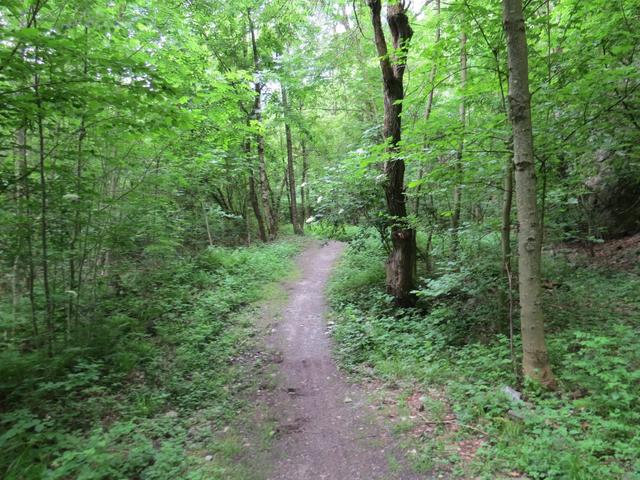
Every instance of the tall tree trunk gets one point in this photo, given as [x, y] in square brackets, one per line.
[263, 180]
[457, 192]
[506, 296]
[427, 111]
[205, 214]
[253, 195]
[73, 301]
[535, 357]
[27, 226]
[401, 265]
[304, 188]
[293, 202]
[255, 205]
[44, 234]
[18, 253]
[507, 201]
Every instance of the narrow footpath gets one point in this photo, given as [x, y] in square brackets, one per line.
[326, 428]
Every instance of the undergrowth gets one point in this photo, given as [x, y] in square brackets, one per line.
[456, 340]
[147, 390]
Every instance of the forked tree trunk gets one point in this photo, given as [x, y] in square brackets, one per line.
[535, 360]
[401, 265]
[293, 201]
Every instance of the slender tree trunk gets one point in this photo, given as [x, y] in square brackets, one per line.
[255, 205]
[434, 69]
[205, 214]
[457, 192]
[507, 201]
[253, 195]
[507, 184]
[247, 223]
[304, 188]
[265, 190]
[81, 264]
[506, 298]
[401, 265]
[18, 253]
[27, 226]
[74, 276]
[43, 220]
[535, 357]
[427, 111]
[293, 202]
[73, 299]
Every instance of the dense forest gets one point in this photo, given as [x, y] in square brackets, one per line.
[162, 164]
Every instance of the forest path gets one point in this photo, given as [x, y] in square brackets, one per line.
[326, 428]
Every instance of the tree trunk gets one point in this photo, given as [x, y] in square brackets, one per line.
[253, 195]
[263, 179]
[427, 113]
[507, 201]
[27, 226]
[304, 188]
[293, 202]
[401, 265]
[457, 193]
[535, 357]
[16, 270]
[506, 297]
[205, 214]
[255, 205]
[44, 234]
[73, 300]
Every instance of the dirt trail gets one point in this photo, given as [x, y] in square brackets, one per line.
[326, 430]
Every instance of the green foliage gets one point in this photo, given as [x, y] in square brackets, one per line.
[125, 401]
[130, 168]
[587, 430]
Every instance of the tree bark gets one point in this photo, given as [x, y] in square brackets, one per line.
[457, 192]
[17, 254]
[507, 201]
[304, 188]
[401, 265]
[255, 205]
[535, 361]
[427, 112]
[44, 233]
[293, 202]
[263, 179]
[27, 224]
[253, 195]
[73, 301]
